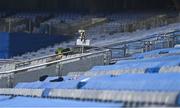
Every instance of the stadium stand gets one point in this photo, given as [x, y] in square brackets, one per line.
[149, 79]
[133, 59]
[145, 86]
[110, 29]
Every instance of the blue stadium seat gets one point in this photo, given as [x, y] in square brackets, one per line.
[66, 84]
[155, 52]
[40, 102]
[136, 82]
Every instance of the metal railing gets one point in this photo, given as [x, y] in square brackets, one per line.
[147, 44]
[26, 65]
[157, 41]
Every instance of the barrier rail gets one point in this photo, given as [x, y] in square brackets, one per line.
[148, 43]
[44, 58]
[27, 65]
[157, 41]
[140, 39]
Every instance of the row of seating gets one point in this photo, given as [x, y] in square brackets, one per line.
[127, 98]
[25, 20]
[19, 101]
[152, 81]
[95, 38]
[158, 60]
[120, 22]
